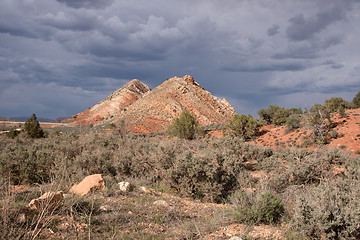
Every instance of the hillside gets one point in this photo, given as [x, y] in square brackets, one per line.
[157, 108]
[348, 129]
[112, 105]
[145, 111]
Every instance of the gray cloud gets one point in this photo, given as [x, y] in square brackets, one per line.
[87, 3]
[337, 66]
[308, 50]
[66, 21]
[273, 30]
[266, 66]
[304, 28]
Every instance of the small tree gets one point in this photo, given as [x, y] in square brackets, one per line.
[318, 119]
[186, 126]
[243, 126]
[334, 104]
[32, 128]
[267, 115]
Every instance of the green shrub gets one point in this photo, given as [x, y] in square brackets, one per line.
[202, 176]
[342, 112]
[267, 209]
[293, 122]
[186, 126]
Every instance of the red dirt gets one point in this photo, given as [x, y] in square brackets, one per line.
[348, 128]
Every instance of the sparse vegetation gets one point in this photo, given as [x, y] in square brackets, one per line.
[313, 194]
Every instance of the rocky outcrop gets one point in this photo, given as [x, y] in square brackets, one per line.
[145, 111]
[112, 105]
[47, 201]
[157, 108]
[89, 184]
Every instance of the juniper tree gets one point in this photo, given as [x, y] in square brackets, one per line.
[32, 128]
[186, 126]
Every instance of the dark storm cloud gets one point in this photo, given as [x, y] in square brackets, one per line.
[89, 48]
[273, 30]
[308, 50]
[87, 3]
[337, 66]
[304, 28]
[263, 66]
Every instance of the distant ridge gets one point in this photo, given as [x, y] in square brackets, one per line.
[7, 119]
[40, 119]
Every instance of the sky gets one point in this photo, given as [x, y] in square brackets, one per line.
[60, 57]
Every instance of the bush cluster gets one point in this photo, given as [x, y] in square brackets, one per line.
[331, 209]
[277, 115]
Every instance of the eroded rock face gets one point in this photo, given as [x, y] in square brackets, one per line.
[145, 111]
[47, 201]
[157, 108]
[89, 184]
[112, 105]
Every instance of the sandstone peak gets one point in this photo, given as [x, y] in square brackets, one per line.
[111, 105]
[157, 108]
[144, 110]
